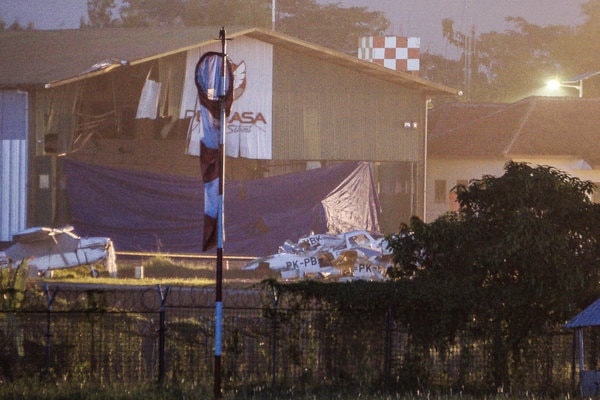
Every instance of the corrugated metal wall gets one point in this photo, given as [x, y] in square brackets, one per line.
[323, 111]
[13, 162]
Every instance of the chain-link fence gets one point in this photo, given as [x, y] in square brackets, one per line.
[166, 335]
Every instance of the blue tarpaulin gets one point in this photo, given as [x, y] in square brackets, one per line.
[142, 211]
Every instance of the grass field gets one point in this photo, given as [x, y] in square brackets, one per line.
[69, 391]
[166, 270]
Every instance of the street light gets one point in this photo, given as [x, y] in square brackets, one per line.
[575, 82]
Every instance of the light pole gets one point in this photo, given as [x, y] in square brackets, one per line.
[575, 82]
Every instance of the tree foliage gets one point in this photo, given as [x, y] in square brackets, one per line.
[13, 285]
[519, 257]
[195, 13]
[329, 25]
[516, 63]
[509, 65]
[580, 49]
[100, 14]
[16, 26]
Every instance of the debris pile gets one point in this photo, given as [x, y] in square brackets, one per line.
[344, 257]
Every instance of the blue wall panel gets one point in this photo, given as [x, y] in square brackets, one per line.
[13, 162]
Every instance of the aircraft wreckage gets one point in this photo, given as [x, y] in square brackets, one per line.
[356, 255]
[48, 249]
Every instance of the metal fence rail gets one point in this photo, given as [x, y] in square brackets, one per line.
[153, 334]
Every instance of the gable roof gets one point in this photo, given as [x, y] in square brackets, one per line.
[534, 126]
[34, 58]
[590, 316]
[38, 57]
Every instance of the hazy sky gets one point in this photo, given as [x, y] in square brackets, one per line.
[45, 14]
[421, 18]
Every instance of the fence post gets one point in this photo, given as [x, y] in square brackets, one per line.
[275, 292]
[162, 292]
[49, 300]
[387, 362]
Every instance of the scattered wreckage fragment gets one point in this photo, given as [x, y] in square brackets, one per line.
[47, 249]
[344, 257]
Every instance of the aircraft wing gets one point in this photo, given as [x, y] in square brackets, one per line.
[48, 249]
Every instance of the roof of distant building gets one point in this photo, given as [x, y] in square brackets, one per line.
[534, 126]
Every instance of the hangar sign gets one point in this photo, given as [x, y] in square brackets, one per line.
[249, 126]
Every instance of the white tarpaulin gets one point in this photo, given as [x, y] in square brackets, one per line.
[249, 126]
[148, 105]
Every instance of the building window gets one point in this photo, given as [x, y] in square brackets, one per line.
[440, 191]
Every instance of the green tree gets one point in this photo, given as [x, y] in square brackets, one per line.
[135, 13]
[13, 284]
[100, 14]
[442, 70]
[518, 258]
[580, 50]
[437, 269]
[329, 25]
[16, 26]
[510, 65]
[196, 12]
[518, 62]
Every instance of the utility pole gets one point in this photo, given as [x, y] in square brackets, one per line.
[469, 40]
[273, 13]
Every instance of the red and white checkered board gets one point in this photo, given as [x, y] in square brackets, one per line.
[395, 52]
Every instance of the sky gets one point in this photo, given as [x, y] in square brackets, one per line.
[423, 18]
[420, 18]
[45, 14]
